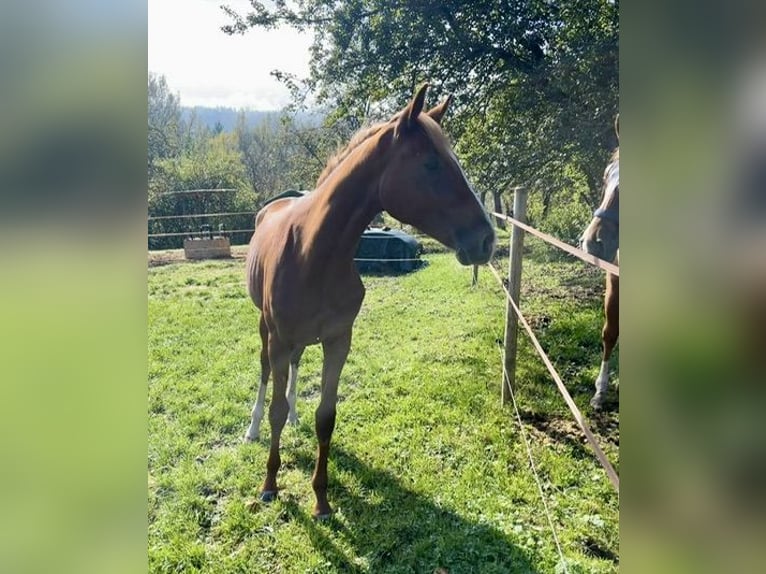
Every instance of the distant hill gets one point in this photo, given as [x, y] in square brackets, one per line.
[227, 117]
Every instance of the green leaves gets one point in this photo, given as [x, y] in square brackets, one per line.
[536, 82]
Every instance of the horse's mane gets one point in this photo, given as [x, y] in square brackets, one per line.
[614, 160]
[362, 135]
[612, 173]
[430, 127]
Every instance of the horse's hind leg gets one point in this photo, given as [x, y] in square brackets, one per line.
[295, 359]
[609, 336]
[256, 415]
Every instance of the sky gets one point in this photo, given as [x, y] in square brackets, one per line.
[209, 68]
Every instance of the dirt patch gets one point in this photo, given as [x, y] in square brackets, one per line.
[168, 256]
[157, 258]
[605, 425]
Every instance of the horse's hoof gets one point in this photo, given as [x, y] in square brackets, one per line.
[247, 439]
[595, 402]
[268, 496]
[293, 421]
[322, 513]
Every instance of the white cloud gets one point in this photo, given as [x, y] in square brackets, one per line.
[209, 68]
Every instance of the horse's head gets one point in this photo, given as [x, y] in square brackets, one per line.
[423, 184]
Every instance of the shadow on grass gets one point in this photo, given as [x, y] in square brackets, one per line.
[384, 268]
[394, 529]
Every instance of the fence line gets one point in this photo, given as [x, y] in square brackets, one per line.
[368, 259]
[214, 233]
[188, 216]
[533, 466]
[180, 191]
[562, 389]
[605, 265]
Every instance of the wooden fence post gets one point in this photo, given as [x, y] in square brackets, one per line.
[514, 287]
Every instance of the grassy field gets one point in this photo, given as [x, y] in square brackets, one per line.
[427, 472]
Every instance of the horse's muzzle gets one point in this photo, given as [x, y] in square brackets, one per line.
[477, 247]
[591, 247]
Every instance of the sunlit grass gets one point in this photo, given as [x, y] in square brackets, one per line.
[427, 470]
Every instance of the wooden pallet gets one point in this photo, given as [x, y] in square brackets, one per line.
[198, 248]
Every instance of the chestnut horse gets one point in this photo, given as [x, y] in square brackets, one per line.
[601, 238]
[300, 264]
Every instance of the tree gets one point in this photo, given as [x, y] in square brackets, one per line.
[268, 153]
[212, 162]
[165, 124]
[536, 82]
[281, 153]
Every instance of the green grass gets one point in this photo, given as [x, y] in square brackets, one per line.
[426, 469]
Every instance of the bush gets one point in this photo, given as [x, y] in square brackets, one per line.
[566, 218]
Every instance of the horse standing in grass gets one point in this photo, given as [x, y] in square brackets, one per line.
[300, 264]
[601, 238]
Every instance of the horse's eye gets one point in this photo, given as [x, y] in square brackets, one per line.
[432, 163]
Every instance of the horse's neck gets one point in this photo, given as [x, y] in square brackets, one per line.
[341, 209]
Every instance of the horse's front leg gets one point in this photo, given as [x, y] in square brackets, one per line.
[609, 335]
[279, 358]
[335, 353]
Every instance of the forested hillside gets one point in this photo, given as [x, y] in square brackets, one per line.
[226, 119]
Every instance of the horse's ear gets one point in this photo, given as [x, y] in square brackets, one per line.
[617, 126]
[408, 118]
[437, 113]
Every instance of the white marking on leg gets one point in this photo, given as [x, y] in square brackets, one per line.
[292, 385]
[254, 430]
[602, 382]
